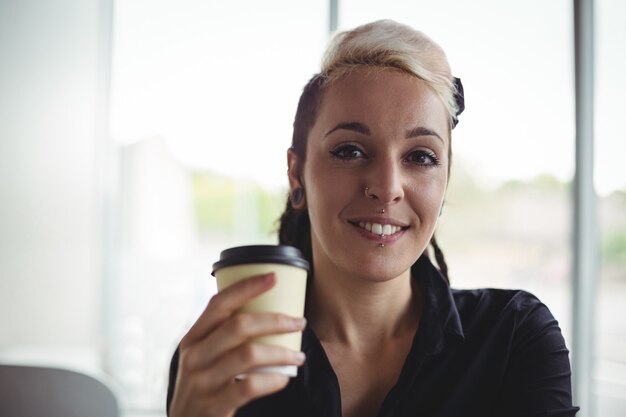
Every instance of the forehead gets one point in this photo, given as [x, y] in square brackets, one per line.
[385, 99]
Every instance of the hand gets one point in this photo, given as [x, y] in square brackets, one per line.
[219, 346]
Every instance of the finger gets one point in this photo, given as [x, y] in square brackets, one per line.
[239, 393]
[237, 330]
[245, 359]
[201, 388]
[225, 303]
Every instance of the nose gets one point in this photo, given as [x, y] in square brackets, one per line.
[384, 181]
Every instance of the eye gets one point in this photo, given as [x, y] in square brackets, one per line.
[423, 158]
[347, 152]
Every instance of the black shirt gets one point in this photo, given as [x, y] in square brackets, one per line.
[482, 353]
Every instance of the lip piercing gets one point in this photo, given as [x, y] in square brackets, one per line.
[367, 194]
[382, 245]
[382, 210]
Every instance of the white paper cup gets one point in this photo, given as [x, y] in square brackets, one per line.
[286, 297]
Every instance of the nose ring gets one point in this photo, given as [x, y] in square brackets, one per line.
[368, 195]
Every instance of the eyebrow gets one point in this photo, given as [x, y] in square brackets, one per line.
[352, 126]
[422, 131]
[361, 128]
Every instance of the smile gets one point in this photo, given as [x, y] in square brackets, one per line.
[380, 229]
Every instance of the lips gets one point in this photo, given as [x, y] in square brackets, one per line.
[379, 228]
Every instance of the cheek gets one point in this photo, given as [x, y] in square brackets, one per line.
[428, 195]
[326, 190]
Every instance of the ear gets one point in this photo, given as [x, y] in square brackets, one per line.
[294, 164]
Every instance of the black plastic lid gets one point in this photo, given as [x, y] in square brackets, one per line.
[275, 254]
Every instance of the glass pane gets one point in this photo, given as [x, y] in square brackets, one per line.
[203, 99]
[508, 205]
[508, 201]
[610, 366]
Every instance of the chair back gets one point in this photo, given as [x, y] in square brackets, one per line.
[32, 391]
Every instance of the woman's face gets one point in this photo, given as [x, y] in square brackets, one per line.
[387, 131]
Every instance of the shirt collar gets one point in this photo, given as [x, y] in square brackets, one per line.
[439, 327]
[440, 323]
[318, 378]
[440, 318]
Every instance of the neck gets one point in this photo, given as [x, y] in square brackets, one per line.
[359, 313]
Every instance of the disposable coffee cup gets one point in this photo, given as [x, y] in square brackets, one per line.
[287, 296]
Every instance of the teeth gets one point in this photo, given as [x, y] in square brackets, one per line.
[380, 229]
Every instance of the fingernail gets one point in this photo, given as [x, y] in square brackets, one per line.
[300, 357]
[299, 322]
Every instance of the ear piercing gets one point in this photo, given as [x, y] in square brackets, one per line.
[297, 195]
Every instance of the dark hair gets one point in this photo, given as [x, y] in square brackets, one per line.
[295, 225]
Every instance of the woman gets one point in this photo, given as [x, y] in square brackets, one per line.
[368, 170]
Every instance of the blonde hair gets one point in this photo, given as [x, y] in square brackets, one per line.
[389, 44]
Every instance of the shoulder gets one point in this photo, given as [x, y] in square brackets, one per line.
[515, 310]
[494, 299]
[521, 347]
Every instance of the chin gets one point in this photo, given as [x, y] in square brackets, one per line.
[366, 260]
[381, 268]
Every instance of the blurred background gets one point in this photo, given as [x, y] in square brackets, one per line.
[139, 138]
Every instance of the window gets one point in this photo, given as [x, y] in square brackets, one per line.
[203, 97]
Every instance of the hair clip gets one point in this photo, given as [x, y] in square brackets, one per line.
[459, 98]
